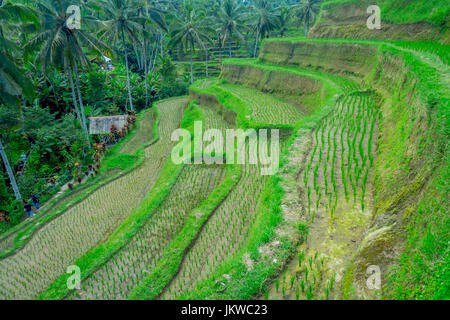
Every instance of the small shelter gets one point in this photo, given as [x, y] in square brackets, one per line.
[102, 125]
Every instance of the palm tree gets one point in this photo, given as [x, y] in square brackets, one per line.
[264, 20]
[190, 31]
[231, 17]
[14, 85]
[307, 13]
[63, 47]
[284, 18]
[123, 21]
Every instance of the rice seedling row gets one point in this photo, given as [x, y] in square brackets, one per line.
[337, 165]
[266, 108]
[342, 154]
[127, 268]
[223, 235]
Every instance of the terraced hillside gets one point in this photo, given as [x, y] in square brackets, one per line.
[400, 20]
[347, 176]
[336, 192]
[362, 184]
[354, 111]
[127, 268]
[341, 191]
[404, 172]
[61, 241]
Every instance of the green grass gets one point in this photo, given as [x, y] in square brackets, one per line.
[434, 12]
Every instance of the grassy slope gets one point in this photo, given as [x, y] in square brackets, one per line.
[434, 12]
[428, 48]
[417, 20]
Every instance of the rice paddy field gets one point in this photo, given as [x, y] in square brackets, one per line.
[60, 242]
[223, 235]
[130, 265]
[266, 108]
[359, 184]
[336, 188]
[143, 135]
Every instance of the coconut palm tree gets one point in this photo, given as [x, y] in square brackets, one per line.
[231, 21]
[61, 46]
[13, 83]
[307, 12]
[264, 20]
[189, 31]
[123, 22]
[284, 19]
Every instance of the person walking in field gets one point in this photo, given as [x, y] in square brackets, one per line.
[28, 209]
[35, 200]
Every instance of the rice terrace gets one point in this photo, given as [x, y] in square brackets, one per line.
[224, 150]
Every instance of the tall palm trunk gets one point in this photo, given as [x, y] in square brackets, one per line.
[145, 73]
[307, 17]
[224, 52]
[138, 59]
[256, 42]
[207, 58]
[162, 43]
[80, 99]
[74, 98]
[229, 46]
[128, 71]
[143, 55]
[192, 66]
[154, 58]
[12, 179]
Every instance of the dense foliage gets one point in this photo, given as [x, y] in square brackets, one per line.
[57, 71]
